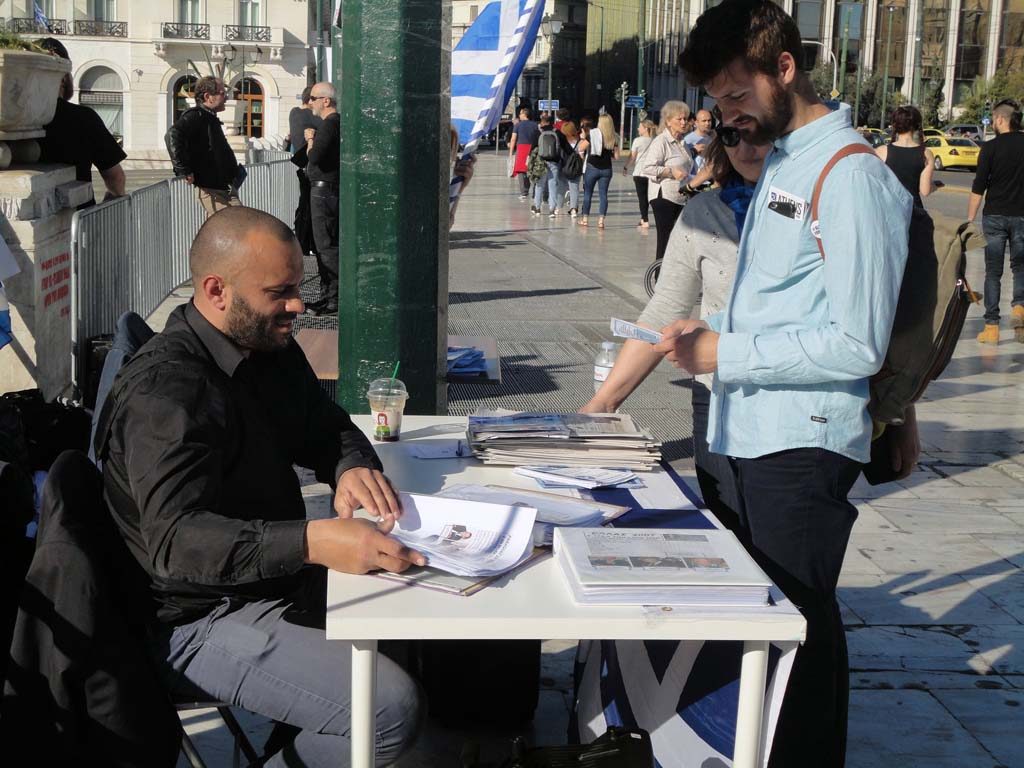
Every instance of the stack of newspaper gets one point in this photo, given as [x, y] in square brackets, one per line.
[635, 566]
[562, 439]
[466, 361]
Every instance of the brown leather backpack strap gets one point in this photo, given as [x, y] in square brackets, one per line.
[849, 149]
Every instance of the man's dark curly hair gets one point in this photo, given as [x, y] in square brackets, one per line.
[754, 31]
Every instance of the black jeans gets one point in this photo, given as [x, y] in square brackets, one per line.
[793, 517]
[1000, 231]
[665, 214]
[640, 182]
[323, 208]
[714, 472]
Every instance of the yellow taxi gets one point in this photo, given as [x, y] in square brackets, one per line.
[952, 152]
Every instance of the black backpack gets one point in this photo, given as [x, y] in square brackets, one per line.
[547, 147]
[572, 165]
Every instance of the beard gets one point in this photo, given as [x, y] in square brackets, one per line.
[251, 330]
[773, 125]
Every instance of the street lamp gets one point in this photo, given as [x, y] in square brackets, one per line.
[885, 77]
[835, 64]
[550, 26]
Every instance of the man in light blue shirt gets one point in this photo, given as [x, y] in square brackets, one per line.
[794, 348]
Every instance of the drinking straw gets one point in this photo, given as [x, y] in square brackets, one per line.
[394, 373]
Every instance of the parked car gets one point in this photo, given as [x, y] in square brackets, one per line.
[967, 130]
[874, 139]
[953, 152]
[930, 132]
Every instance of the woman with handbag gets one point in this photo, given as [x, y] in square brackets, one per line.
[597, 170]
[572, 165]
[667, 164]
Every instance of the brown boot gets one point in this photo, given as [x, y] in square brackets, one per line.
[990, 335]
[1017, 321]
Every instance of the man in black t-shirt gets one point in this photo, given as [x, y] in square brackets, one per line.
[322, 170]
[1000, 178]
[524, 138]
[77, 136]
[299, 119]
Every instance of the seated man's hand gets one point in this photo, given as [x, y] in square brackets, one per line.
[688, 344]
[369, 489]
[355, 545]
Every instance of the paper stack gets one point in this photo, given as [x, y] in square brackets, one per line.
[576, 477]
[552, 510]
[635, 566]
[562, 439]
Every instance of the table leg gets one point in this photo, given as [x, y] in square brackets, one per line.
[363, 726]
[753, 676]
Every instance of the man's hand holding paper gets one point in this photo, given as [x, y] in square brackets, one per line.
[690, 345]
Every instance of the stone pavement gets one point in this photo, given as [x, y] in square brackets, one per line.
[932, 588]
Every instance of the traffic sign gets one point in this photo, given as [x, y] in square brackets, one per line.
[986, 120]
[550, 105]
[635, 102]
[834, 94]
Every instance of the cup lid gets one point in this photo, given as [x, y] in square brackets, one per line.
[387, 388]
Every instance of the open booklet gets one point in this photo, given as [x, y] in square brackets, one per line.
[466, 538]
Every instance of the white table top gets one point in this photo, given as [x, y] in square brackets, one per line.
[530, 603]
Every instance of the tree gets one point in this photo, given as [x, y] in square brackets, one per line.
[870, 93]
[1005, 84]
[932, 99]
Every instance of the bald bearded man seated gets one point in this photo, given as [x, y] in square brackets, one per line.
[199, 438]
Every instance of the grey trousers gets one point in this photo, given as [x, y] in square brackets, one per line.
[272, 657]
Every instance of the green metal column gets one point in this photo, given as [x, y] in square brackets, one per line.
[392, 69]
[641, 39]
[842, 58]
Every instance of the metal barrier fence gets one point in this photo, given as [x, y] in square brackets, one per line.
[132, 252]
[254, 155]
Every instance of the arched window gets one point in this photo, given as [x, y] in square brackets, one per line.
[100, 88]
[183, 95]
[250, 97]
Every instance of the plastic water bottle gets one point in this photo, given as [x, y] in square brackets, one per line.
[603, 362]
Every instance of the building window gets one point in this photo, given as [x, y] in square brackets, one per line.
[892, 15]
[183, 95]
[249, 13]
[1011, 39]
[249, 95]
[48, 7]
[808, 18]
[104, 10]
[849, 16]
[970, 47]
[100, 89]
[188, 11]
[474, 11]
[933, 40]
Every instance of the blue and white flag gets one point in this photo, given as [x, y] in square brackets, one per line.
[487, 63]
[41, 17]
[5, 319]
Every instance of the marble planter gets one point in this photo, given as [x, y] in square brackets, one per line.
[29, 85]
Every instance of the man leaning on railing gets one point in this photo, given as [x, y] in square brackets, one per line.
[200, 152]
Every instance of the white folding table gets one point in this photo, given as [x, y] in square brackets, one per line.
[530, 604]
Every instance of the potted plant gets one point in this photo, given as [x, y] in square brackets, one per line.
[29, 84]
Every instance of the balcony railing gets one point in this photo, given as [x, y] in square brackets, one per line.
[233, 32]
[101, 28]
[178, 31]
[33, 27]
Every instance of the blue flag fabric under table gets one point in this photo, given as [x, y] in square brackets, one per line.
[685, 694]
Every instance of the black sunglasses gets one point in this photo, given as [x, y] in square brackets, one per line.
[729, 136]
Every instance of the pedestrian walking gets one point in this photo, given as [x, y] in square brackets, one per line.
[551, 148]
[697, 140]
[572, 165]
[1000, 180]
[597, 172]
[200, 152]
[797, 343]
[647, 130]
[322, 148]
[908, 158]
[524, 138]
[667, 164]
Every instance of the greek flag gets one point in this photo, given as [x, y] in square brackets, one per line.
[5, 319]
[487, 63]
[41, 17]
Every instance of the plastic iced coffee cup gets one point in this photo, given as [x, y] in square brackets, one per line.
[387, 402]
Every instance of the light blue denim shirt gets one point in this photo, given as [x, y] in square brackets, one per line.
[801, 335]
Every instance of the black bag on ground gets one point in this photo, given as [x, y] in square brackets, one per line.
[461, 678]
[49, 428]
[616, 748]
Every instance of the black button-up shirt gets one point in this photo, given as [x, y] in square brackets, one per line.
[199, 442]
